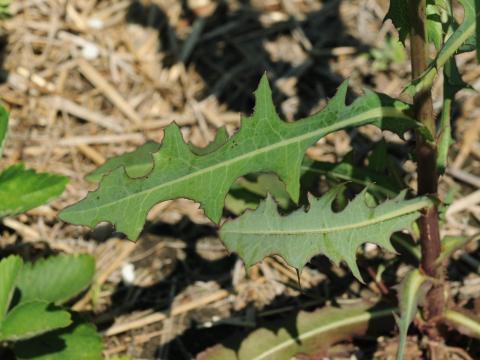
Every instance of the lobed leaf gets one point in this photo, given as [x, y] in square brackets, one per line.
[55, 279]
[410, 292]
[31, 319]
[264, 143]
[247, 192]
[299, 236]
[22, 189]
[139, 163]
[80, 341]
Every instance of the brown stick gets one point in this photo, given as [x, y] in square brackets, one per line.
[426, 162]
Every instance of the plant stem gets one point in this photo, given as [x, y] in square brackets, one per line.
[426, 165]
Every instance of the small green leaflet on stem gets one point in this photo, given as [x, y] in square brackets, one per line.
[411, 291]
[452, 84]
[464, 322]
[398, 12]
[301, 235]
[264, 143]
[461, 36]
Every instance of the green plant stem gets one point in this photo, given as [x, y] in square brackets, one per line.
[427, 171]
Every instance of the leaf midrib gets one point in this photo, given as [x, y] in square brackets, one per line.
[417, 204]
[374, 113]
[327, 327]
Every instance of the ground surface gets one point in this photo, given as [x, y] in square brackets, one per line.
[85, 80]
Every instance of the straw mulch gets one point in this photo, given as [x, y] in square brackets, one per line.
[85, 80]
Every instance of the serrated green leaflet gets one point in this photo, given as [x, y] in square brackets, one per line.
[9, 269]
[464, 33]
[55, 279]
[410, 292]
[80, 341]
[264, 143]
[23, 189]
[31, 319]
[299, 236]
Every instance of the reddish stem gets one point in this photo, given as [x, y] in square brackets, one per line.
[427, 172]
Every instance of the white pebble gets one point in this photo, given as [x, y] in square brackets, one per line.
[95, 23]
[90, 51]
[128, 273]
[369, 247]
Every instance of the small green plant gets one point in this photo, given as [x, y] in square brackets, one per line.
[264, 143]
[23, 189]
[33, 321]
[392, 52]
[5, 8]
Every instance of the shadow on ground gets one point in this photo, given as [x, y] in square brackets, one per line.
[228, 49]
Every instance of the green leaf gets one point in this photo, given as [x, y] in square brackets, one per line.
[55, 279]
[21, 189]
[449, 49]
[312, 334]
[410, 293]
[377, 161]
[263, 144]
[221, 138]
[5, 8]
[398, 12]
[345, 171]
[80, 341]
[137, 163]
[451, 85]
[435, 26]
[9, 269]
[477, 28]
[299, 236]
[3, 127]
[247, 192]
[467, 324]
[31, 319]
[450, 244]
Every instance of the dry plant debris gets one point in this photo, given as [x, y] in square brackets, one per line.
[87, 80]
